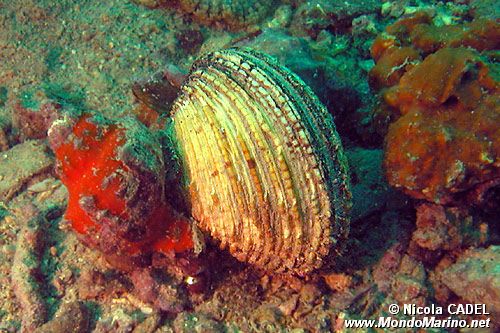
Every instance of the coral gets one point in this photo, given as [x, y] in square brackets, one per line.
[114, 173]
[392, 66]
[444, 108]
[480, 34]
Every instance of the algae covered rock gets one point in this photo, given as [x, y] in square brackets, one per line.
[370, 190]
[20, 164]
[475, 277]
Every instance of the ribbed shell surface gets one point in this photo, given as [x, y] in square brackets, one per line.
[265, 171]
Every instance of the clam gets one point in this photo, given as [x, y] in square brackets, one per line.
[263, 166]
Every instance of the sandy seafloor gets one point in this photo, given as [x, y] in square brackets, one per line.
[89, 53]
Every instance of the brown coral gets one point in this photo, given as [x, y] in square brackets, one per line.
[446, 138]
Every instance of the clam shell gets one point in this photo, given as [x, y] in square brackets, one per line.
[264, 167]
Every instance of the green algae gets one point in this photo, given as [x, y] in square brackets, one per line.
[142, 145]
[29, 101]
[53, 59]
[3, 96]
[95, 311]
[3, 211]
[70, 97]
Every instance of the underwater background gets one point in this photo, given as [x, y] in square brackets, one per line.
[413, 88]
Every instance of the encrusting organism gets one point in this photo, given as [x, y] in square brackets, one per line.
[114, 173]
[439, 90]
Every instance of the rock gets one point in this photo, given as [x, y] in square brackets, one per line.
[370, 190]
[34, 123]
[310, 293]
[432, 228]
[20, 164]
[189, 40]
[338, 282]
[475, 277]
[196, 323]
[386, 268]
[163, 296]
[119, 321]
[149, 325]
[26, 267]
[442, 293]
[267, 318]
[282, 17]
[485, 8]
[314, 16]
[442, 229]
[4, 141]
[410, 283]
[71, 317]
[149, 3]
[289, 306]
[292, 52]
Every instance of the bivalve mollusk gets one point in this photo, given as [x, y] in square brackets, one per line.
[265, 171]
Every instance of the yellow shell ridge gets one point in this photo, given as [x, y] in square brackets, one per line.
[291, 167]
[238, 112]
[237, 146]
[333, 157]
